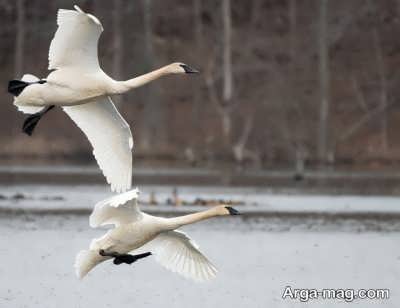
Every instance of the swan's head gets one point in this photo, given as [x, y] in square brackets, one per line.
[181, 68]
[232, 211]
[225, 210]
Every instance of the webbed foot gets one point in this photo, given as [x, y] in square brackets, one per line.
[30, 123]
[123, 258]
[32, 120]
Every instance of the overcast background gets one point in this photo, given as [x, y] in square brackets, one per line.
[283, 84]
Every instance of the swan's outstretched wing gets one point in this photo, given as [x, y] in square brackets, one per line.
[116, 210]
[75, 41]
[110, 137]
[178, 253]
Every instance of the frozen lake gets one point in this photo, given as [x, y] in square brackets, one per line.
[256, 259]
[77, 197]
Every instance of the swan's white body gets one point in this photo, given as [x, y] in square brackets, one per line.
[83, 89]
[135, 230]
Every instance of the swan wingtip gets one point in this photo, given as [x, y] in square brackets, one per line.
[77, 8]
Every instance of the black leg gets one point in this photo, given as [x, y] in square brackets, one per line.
[123, 258]
[30, 123]
[32, 120]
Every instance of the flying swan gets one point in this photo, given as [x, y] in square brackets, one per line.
[146, 235]
[83, 90]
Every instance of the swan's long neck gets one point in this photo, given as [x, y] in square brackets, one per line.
[176, 222]
[124, 86]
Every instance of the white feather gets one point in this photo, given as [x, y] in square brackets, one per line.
[75, 41]
[110, 137]
[188, 261]
[29, 78]
[85, 260]
[117, 210]
[27, 109]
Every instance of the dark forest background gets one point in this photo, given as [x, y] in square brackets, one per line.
[295, 83]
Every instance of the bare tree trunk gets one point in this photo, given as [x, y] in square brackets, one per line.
[239, 149]
[117, 43]
[198, 24]
[293, 25]
[148, 31]
[298, 133]
[227, 50]
[383, 82]
[324, 82]
[148, 56]
[224, 104]
[359, 95]
[198, 35]
[227, 70]
[20, 39]
[154, 130]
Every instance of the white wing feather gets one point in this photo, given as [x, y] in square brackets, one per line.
[177, 252]
[75, 41]
[110, 137]
[117, 210]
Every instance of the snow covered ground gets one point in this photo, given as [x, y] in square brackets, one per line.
[256, 259]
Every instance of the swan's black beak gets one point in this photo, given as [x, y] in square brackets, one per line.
[188, 69]
[232, 211]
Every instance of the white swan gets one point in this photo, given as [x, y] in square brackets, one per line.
[155, 235]
[80, 86]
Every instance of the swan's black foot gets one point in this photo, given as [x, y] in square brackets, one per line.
[123, 258]
[32, 120]
[30, 123]
[129, 259]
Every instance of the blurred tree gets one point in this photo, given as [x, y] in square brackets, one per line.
[153, 130]
[298, 134]
[227, 90]
[383, 88]
[227, 51]
[20, 38]
[323, 130]
[224, 104]
[194, 147]
[283, 82]
[117, 54]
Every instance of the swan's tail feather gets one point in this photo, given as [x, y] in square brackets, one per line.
[85, 261]
[28, 109]
[15, 87]
[30, 78]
